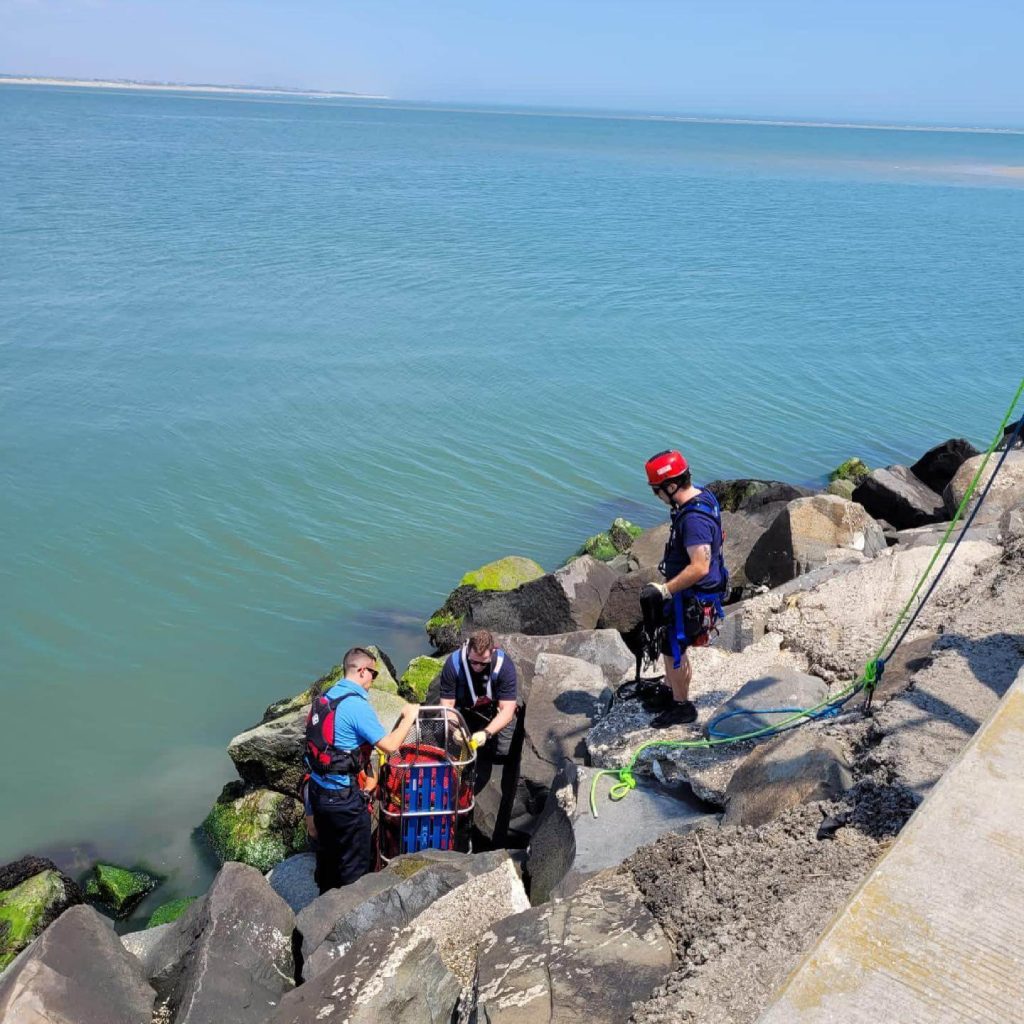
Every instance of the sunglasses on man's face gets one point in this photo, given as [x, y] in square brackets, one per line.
[479, 664]
[373, 672]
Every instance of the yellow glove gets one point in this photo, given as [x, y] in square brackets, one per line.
[478, 739]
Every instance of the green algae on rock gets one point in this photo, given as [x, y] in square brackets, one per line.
[24, 911]
[609, 543]
[504, 574]
[258, 827]
[120, 889]
[445, 625]
[416, 679]
[843, 488]
[852, 469]
[170, 911]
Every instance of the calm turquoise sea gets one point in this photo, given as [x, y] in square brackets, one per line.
[274, 373]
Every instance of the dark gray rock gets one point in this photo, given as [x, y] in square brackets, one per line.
[938, 465]
[390, 899]
[560, 602]
[784, 688]
[900, 498]
[568, 696]
[1008, 434]
[229, 956]
[586, 958]
[76, 972]
[793, 768]
[811, 533]
[293, 880]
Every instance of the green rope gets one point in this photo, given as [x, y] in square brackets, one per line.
[867, 680]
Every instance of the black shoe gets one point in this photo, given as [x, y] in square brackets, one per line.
[680, 713]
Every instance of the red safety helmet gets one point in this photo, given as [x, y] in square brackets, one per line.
[665, 466]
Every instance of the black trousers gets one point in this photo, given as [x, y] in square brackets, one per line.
[343, 852]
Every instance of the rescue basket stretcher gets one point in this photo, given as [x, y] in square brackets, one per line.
[426, 788]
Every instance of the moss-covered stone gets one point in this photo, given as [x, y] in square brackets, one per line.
[259, 827]
[734, 493]
[610, 543]
[408, 865]
[119, 889]
[416, 679]
[504, 574]
[844, 488]
[170, 911]
[853, 470]
[444, 627]
[24, 911]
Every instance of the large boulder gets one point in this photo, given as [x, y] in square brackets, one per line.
[450, 896]
[258, 827]
[900, 498]
[604, 648]
[563, 601]
[1007, 492]
[399, 978]
[228, 957]
[745, 494]
[33, 894]
[567, 697]
[810, 533]
[793, 768]
[383, 900]
[444, 627]
[269, 755]
[77, 972]
[938, 465]
[587, 958]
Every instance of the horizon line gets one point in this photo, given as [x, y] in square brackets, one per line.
[522, 110]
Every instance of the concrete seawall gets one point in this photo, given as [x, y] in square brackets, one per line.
[936, 932]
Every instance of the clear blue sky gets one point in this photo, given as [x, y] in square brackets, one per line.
[904, 60]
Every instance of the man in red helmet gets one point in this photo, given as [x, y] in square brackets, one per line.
[696, 578]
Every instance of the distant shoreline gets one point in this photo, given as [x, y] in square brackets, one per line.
[247, 90]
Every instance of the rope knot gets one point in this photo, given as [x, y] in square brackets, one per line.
[624, 785]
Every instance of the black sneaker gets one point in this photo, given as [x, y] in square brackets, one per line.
[678, 714]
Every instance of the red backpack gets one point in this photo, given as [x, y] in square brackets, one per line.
[321, 755]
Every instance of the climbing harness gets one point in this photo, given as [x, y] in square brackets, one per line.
[874, 668]
[460, 662]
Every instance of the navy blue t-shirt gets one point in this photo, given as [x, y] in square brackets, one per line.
[504, 685]
[691, 528]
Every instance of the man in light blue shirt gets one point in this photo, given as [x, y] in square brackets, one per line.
[347, 729]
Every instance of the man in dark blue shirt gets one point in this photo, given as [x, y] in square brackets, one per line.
[480, 680]
[695, 577]
[337, 804]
